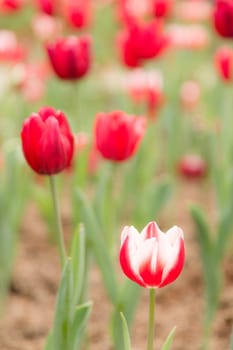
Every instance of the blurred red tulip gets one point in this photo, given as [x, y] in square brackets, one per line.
[142, 41]
[223, 18]
[152, 258]
[162, 8]
[70, 57]
[146, 87]
[10, 49]
[117, 135]
[47, 141]
[224, 63]
[49, 7]
[8, 6]
[77, 12]
[192, 166]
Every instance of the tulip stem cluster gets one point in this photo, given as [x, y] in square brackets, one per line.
[150, 339]
[59, 231]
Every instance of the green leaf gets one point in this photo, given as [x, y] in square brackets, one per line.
[127, 343]
[80, 318]
[62, 319]
[77, 254]
[98, 246]
[168, 342]
[202, 230]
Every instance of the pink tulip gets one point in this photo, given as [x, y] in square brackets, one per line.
[152, 258]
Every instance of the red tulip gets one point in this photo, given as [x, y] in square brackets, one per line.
[117, 135]
[8, 6]
[152, 258]
[47, 141]
[47, 6]
[141, 42]
[192, 166]
[70, 57]
[223, 18]
[77, 12]
[224, 63]
[162, 8]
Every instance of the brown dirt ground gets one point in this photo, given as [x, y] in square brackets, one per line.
[30, 305]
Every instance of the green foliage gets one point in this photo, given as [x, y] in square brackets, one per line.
[71, 316]
[127, 343]
[168, 342]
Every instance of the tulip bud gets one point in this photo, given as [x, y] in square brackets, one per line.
[117, 135]
[152, 258]
[47, 141]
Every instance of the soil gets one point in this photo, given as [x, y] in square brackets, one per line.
[29, 308]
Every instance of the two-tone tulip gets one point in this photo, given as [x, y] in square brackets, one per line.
[152, 258]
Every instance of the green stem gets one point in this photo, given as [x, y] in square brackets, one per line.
[59, 231]
[150, 339]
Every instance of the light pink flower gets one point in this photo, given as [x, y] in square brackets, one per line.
[152, 258]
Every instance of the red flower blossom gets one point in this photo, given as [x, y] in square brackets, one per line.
[8, 6]
[152, 258]
[162, 8]
[77, 12]
[70, 57]
[139, 42]
[223, 18]
[192, 166]
[47, 6]
[117, 135]
[224, 63]
[47, 141]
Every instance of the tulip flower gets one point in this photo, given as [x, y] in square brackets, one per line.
[162, 8]
[224, 63]
[70, 57]
[8, 6]
[152, 258]
[223, 18]
[140, 42]
[77, 12]
[47, 6]
[192, 166]
[117, 134]
[47, 141]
